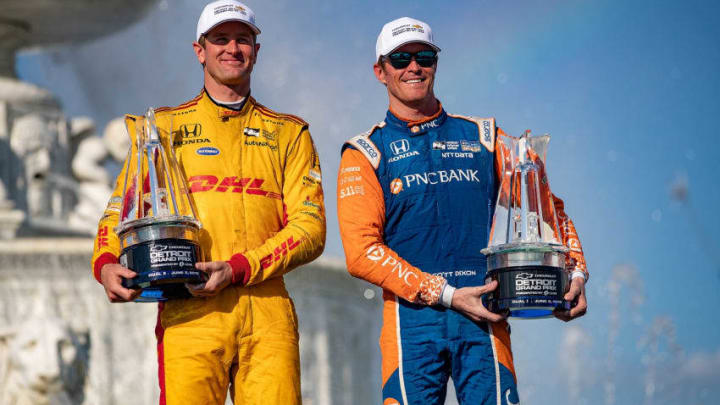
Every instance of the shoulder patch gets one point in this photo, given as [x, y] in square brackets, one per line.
[486, 130]
[363, 143]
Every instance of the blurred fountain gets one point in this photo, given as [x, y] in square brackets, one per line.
[576, 343]
[680, 192]
[662, 329]
[624, 277]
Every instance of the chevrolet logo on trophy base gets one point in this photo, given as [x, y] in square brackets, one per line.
[158, 228]
[525, 254]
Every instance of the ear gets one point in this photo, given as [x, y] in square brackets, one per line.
[199, 52]
[379, 73]
[257, 50]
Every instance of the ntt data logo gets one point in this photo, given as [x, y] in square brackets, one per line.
[375, 253]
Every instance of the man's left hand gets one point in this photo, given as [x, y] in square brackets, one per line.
[219, 276]
[577, 292]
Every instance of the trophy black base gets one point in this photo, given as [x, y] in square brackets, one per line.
[164, 293]
[528, 292]
[167, 264]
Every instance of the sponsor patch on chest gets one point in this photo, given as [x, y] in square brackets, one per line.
[401, 150]
[208, 151]
[434, 178]
[251, 131]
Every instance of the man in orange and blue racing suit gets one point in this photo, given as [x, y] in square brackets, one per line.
[416, 196]
[255, 179]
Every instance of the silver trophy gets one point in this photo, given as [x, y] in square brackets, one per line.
[158, 227]
[525, 254]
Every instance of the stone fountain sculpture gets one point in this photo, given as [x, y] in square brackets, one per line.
[39, 190]
[43, 361]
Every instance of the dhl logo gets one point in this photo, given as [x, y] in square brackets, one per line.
[253, 186]
[102, 237]
[279, 252]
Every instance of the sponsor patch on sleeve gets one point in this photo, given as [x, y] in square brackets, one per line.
[366, 146]
[363, 143]
[315, 174]
[486, 130]
[350, 191]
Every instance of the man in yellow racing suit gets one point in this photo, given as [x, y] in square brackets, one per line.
[255, 180]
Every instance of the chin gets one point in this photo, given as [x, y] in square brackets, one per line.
[417, 98]
[231, 80]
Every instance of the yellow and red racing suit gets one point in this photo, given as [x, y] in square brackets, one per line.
[255, 179]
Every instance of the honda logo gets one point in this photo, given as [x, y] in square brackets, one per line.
[191, 130]
[399, 147]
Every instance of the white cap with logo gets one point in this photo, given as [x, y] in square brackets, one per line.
[222, 11]
[403, 31]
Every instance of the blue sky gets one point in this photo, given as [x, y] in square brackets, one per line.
[627, 89]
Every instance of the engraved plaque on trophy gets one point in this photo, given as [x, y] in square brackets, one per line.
[525, 253]
[158, 227]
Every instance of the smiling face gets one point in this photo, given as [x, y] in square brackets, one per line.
[228, 53]
[410, 88]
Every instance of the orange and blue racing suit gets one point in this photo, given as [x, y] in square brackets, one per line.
[415, 205]
[255, 179]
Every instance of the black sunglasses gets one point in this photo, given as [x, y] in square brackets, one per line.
[401, 60]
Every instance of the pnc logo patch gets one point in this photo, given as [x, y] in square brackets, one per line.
[396, 186]
[375, 253]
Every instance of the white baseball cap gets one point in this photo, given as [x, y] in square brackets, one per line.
[222, 11]
[403, 31]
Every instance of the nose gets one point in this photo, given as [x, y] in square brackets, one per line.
[233, 47]
[414, 66]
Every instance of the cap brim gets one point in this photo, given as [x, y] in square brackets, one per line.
[412, 41]
[253, 27]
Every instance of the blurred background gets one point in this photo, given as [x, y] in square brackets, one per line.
[628, 90]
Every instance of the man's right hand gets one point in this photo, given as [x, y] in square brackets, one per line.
[468, 301]
[111, 276]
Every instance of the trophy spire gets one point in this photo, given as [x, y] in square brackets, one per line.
[524, 253]
[158, 229]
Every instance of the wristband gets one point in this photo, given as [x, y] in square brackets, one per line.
[577, 273]
[447, 295]
[240, 269]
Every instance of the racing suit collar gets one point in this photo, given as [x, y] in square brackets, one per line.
[223, 111]
[417, 127]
